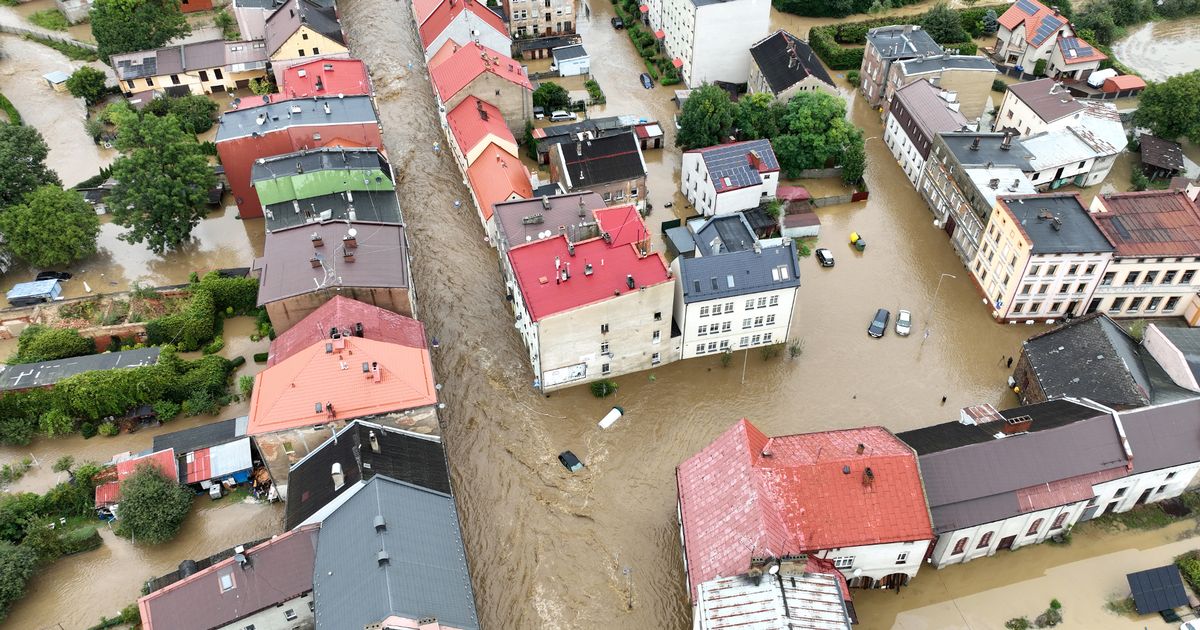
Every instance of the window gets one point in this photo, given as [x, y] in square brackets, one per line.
[985, 541]
[226, 580]
[902, 557]
[743, 342]
[1033, 529]
[1150, 277]
[603, 329]
[1054, 308]
[762, 302]
[604, 347]
[1090, 269]
[1171, 303]
[1135, 304]
[1120, 493]
[300, 52]
[1170, 476]
[290, 614]
[703, 311]
[774, 300]
[756, 339]
[658, 316]
[843, 562]
[1018, 307]
[749, 305]
[746, 323]
[702, 330]
[204, 76]
[725, 345]
[767, 337]
[1186, 278]
[249, 627]
[655, 359]
[728, 307]
[174, 79]
[770, 320]
[758, 321]
[1042, 288]
[726, 326]
[1108, 278]
[604, 368]
[712, 346]
[1131, 277]
[1116, 305]
[1058, 521]
[1063, 289]
[1081, 287]
[303, 35]
[150, 81]
[699, 348]
[1072, 270]
[959, 546]
[1034, 270]
[1026, 289]
[656, 336]
[1051, 270]
[1169, 277]
[1152, 306]
[633, 192]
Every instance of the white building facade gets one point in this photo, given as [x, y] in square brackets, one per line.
[730, 178]
[710, 39]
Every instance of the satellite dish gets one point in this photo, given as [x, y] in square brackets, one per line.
[774, 569]
[352, 232]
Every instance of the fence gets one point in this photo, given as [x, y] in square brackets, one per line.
[819, 173]
[834, 200]
[21, 30]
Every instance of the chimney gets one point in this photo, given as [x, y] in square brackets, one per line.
[314, 261]
[350, 240]
[571, 248]
[1019, 424]
[975, 144]
[868, 476]
[1006, 143]
[545, 202]
[299, 168]
[348, 255]
[587, 269]
[329, 410]
[629, 280]
[861, 448]
[755, 160]
[317, 241]
[339, 479]
[376, 375]
[327, 112]
[374, 440]
[766, 450]
[358, 329]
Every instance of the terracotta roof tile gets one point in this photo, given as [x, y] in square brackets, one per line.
[343, 313]
[447, 11]
[496, 176]
[458, 70]
[324, 77]
[1150, 223]
[474, 121]
[1040, 21]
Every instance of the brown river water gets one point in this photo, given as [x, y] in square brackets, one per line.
[1162, 49]
[598, 548]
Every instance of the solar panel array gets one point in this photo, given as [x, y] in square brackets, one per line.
[1028, 7]
[148, 67]
[1078, 45]
[1050, 25]
[732, 161]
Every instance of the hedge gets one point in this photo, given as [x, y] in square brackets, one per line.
[190, 328]
[240, 294]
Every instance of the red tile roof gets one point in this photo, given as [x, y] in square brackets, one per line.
[473, 121]
[1015, 15]
[746, 495]
[495, 176]
[445, 52]
[286, 394]
[1124, 82]
[343, 313]
[446, 12]
[325, 77]
[422, 9]
[1150, 223]
[458, 70]
[108, 493]
[534, 266]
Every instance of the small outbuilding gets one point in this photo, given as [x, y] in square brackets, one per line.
[57, 80]
[1161, 159]
[571, 60]
[1127, 84]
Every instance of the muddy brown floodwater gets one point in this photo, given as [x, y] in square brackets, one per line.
[1162, 49]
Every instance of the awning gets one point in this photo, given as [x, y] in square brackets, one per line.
[677, 62]
[644, 9]
[660, 34]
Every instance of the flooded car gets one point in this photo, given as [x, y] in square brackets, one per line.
[825, 257]
[903, 323]
[647, 82]
[879, 324]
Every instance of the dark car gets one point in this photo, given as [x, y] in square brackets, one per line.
[646, 81]
[879, 324]
[825, 257]
[618, 23]
[53, 275]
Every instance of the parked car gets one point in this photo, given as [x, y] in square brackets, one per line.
[618, 23]
[879, 324]
[647, 82]
[559, 115]
[825, 257]
[539, 112]
[54, 275]
[903, 323]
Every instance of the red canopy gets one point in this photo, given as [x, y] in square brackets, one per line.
[644, 8]
[660, 34]
[677, 62]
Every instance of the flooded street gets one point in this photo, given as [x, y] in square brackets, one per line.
[1162, 49]
[81, 31]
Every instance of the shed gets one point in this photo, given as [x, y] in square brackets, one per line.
[1123, 83]
[29, 293]
[1158, 589]
[57, 80]
[1161, 159]
[571, 60]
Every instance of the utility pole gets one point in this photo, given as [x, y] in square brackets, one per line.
[932, 304]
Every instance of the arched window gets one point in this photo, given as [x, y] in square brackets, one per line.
[959, 546]
[985, 541]
[1033, 529]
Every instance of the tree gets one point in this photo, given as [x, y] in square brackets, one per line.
[194, 111]
[991, 22]
[121, 26]
[16, 567]
[22, 163]
[551, 96]
[163, 180]
[152, 506]
[758, 116]
[39, 342]
[944, 25]
[55, 422]
[1171, 108]
[52, 227]
[707, 118]
[815, 133]
[854, 163]
[64, 464]
[87, 83]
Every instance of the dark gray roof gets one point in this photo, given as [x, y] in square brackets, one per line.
[681, 241]
[279, 115]
[990, 150]
[323, 159]
[1187, 340]
[284, 269]
[1158, 589]
[1161, 153]
[979, 483]
[1091, 357]
[409, 457]
[521, 221]
[902, 42]
[948, 435]
[937, 63]
[257, 4]
[785, 60]
[928, 109]
[46, 373]
[366, 206]
[725, 233]
[1046, 100]
[425, 572]
[573, 51]
[1163, 436]
[732, 161]
[203, 436]
[544, 43]
[1057, 223]
[603, 160]
[291, 15]
[738, 273]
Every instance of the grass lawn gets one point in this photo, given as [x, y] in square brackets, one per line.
[1150, 516]
[50, 19]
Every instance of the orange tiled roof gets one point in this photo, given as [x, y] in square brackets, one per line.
[286, 394]
[474, 121]
[495, 176]
[458, 70]
[1040, 21]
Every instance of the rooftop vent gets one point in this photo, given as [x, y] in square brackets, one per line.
[975, 143]
[380, 523]
[861, 448]
[629, 280]
[383, 558]
[339, 479]
[374, 440]
[317, 240]
[868, 476]
[587, 269]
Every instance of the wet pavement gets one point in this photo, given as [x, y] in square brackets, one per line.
[1161, 49]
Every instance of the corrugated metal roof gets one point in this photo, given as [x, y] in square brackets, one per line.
[1150, 223]
[811, 601]
[218, 461]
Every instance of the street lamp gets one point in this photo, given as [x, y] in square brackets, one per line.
[933, 302]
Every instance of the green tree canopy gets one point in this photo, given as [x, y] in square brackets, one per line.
[195, 111]
[52, 227]
[121, 26]
[707, 118]
[22, 163]
[944, 26]
[815, 132]
[87, 83]
[758, 116]
[16, 567]
[152, 506]
[551, 96]
[39, 342]
[1171, 108]
[163, 180]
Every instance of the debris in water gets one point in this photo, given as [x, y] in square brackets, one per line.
[612, 416]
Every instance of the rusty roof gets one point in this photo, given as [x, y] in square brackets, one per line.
[1150, 223]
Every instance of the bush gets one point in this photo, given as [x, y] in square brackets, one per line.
[261, 357]
[200, 402]
[853, 77]
[54, 422]
[72, 51]
[108, 429]
[79, 540]
[246, 385]
[16, 567]
[228, 25]
[238, 294]
[87, 430]
[1039, 68]
[237, 362]
[603, 388]
[42, 343]
[188, 329]
[999, 86]
[1018, 623]
[166, 410]
[88, 84]
[152, 506]
[215, 346]
[1189, 566]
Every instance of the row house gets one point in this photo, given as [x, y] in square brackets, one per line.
[919, 112]
[326, 77]
[968, 76]
[540, 18]
[611, 165]
[462, 22]
[301, 30]
[198, 68]
[1154, 268]
[1030, 32]
[851, 497]
[472, 127]
[709, 40]
[494, 177]
[730, 177]
[784, 65]
[473, 69]
[592, 307]
[1040, 259]
[734, 292]
[885, 46]
[964, 174]
[527, 220]
[648, 132]
[327, 184]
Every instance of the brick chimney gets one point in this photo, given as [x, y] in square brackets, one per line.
[1019, 424]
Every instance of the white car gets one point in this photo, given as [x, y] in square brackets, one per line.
[903, 323]
[560, 116]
